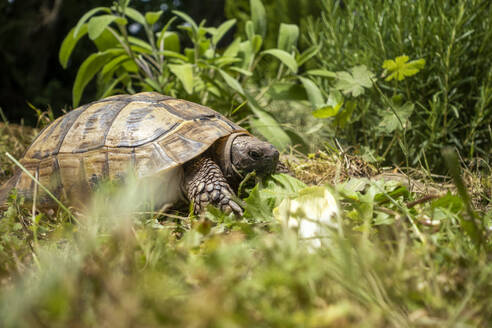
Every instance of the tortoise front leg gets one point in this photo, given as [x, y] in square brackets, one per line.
[205, 184]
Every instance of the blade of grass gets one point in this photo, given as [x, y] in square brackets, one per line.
[41, 186]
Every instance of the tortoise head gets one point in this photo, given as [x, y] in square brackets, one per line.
[244, 153]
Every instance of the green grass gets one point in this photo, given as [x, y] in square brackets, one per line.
[451, 95]
[396, 260]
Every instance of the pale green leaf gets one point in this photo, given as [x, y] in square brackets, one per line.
[187, 19]
[98, 24]
[313, 92]
[389, 120]
[286, 58]
[258, 15]
[267, 126]
[170, 41]
[355, 81]
[153, 16]
[287, 37]
[135, 15]
[232, 82]
[86, 16]
[184, 72]
[222, 30]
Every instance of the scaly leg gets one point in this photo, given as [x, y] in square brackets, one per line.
[205, 184]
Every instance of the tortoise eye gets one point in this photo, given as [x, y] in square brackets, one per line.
[254, 154]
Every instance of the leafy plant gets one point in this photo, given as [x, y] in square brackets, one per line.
[449, 98]
[202, 73]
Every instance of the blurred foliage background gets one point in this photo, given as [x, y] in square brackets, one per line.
[30, 38]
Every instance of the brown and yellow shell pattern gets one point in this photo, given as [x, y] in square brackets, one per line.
[148, 131]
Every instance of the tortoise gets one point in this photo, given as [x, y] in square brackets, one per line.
[190, 149]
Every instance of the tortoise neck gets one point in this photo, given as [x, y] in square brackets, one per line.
[224, 156]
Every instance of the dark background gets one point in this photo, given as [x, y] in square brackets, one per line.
[31, 32]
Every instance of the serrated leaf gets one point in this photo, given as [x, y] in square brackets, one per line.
[222, 30]
[401, 68]
[153, 16]
[286, 58]
[390, 122]
[98, 24]
[258, 15]
[313, 92]
[89, 68]
[69, 43]
[184, 72]
[355, 81]
[287, 36]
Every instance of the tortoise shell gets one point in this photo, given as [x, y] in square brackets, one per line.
[151, 132]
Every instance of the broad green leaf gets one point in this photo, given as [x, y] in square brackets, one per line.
[355, 81]
[232, 82]
[321, 72]
[258, 15]
[135, 15]
[89, 68]
[313, 92]
[69, 43]
[286, 91]
[222, 30]
[153, 16]
[187, 19]
[98, 24]
[267, 126]
[256, 43]
[246, 53]
[86, 16]
[114, 63]
[170, 42]
[233, 48]
[264, 198]
[401, 68]
[184, 72]
[286, 58]
[106, 41]
[390, 122]
[330, 109]
[287, 37]
[162, 34]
